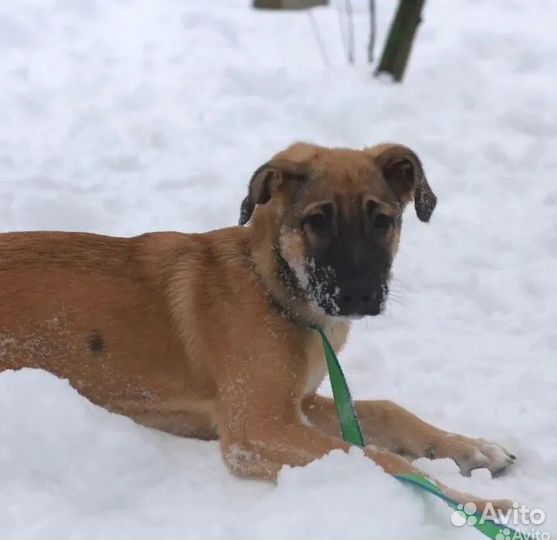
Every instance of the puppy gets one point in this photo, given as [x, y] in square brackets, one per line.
[208, 335]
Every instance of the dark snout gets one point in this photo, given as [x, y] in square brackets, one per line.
[360, 297]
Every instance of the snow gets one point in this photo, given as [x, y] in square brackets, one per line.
[128, 116]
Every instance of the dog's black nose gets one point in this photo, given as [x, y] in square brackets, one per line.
[359, 298]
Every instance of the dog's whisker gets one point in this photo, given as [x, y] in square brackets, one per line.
[397, 283]
[398, 301]
[397, 293]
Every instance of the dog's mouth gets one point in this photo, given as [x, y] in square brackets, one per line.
[350, 297]
[356, 302]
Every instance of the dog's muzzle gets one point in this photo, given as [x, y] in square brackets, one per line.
[360, 298]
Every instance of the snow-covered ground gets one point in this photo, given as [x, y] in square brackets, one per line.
[126, 116]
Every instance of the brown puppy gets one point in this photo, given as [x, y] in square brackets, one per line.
[207, 335]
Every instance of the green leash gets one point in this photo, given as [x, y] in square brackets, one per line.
[352, 433]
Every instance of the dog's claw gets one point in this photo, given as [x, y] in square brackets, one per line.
[484, 454]
[502, 470]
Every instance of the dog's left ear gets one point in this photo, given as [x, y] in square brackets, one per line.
[267, 180]
[404, 173]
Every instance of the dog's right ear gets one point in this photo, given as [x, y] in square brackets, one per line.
[266, 181]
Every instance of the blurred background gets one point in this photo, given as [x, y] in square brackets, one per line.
[129, 115]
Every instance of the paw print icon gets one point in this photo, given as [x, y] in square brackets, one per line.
[503, 534]
[466, 513]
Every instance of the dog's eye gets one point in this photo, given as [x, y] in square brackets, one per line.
[383, 221]
[318, 222]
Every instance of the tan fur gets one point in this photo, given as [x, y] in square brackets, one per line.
[182, 332]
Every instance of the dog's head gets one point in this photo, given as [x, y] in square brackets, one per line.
[330, 219]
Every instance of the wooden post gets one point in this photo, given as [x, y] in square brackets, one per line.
[401, 36]
[267, 4]
[288, 4]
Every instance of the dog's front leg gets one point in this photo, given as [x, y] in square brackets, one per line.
[261, 427]
[266, 449]
[393, 428]
[260, 443]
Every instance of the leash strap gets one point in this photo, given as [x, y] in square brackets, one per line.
[352, 433]
[349, 423]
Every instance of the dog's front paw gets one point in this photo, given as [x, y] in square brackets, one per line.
[478, 454]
